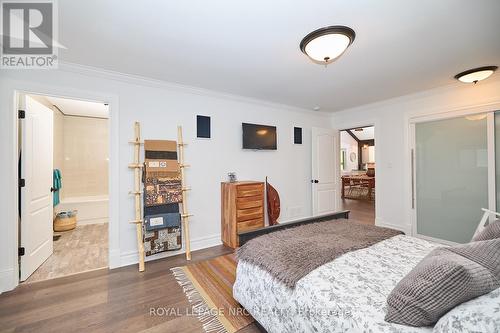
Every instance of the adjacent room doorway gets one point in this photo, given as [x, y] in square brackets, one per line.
[357, 173]
[63, 195]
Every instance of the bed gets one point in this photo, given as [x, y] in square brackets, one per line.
[349, 293]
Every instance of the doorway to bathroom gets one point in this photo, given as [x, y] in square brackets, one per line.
[63, 194]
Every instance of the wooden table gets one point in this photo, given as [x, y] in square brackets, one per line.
[363, 180]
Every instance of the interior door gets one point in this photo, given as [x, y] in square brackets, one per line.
[325, 171]
[36, 196]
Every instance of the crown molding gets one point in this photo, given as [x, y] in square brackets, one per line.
[416, 96]
[155, 83]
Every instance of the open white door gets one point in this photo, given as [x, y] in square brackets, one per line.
[36, 196]
[325, 178]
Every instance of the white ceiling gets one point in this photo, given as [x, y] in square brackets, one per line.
[72, 107]
[251, 48]
[368, 133]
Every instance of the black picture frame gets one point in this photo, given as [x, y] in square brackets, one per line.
[297, 135]
[203, 129]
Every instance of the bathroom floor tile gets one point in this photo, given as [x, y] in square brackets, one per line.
[82, 249]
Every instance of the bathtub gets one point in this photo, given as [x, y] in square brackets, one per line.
[91, 209]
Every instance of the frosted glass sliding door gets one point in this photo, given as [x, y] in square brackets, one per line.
[451, 177]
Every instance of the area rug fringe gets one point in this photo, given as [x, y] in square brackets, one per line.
[209, 320]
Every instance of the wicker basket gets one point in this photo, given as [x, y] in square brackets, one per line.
[64, 223]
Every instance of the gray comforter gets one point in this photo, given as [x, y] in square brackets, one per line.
[290, 254]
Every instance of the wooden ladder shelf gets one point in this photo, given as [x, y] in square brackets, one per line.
[185, 215]
[137, 167]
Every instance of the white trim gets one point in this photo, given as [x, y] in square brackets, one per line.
[13, 89]
[114, 182]
[338, 173]
[155, 83]
[7, 279]
[406, 228]
[420, 95]
[13, 219]
[492, 201]
[413, 178]
[436, 240]
[132, 258]
[454, 112]
[114, 257]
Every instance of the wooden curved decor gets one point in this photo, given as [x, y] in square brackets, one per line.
[273, 204]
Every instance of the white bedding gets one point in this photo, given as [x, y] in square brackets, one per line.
[346, 295]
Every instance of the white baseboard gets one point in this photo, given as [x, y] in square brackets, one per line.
[114, 258]
[406, 228]
[8, 280]
[205, 242]
[131, 257]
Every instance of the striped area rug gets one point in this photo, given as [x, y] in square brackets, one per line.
[208, 286]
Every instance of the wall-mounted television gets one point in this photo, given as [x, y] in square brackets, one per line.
[260, 137]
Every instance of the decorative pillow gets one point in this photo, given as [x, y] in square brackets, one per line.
[491, 231]
[445, 278]
[481, 314]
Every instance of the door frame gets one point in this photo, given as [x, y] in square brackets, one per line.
[358, 124]
[488, 109]
[113, 167]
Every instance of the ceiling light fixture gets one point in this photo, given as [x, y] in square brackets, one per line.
[475, 75]
[476, 117]
[325, 45]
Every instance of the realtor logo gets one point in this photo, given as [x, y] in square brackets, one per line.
[28, 35]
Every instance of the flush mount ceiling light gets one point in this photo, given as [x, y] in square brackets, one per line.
[475, 75]
[325, 45]
[476, 116]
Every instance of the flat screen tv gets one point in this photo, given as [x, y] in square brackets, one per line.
[260, 137]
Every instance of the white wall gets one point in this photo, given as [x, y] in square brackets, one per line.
[391, 119]
[160, 108]
[85, 155]
[348, 143]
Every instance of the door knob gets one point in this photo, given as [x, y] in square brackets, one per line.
[315, 181]
[52, 189]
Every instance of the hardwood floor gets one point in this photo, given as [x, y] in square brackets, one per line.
[118, 300]
[362, 211]
[105, 300]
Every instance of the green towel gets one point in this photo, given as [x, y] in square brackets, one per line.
[56, 185]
